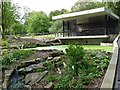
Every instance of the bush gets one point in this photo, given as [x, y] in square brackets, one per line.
[22, 54]
[11, 57]
[75, 55]
[5, 44]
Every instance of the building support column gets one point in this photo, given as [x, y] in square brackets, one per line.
[106, 24]
[68, 27]
[63, 28]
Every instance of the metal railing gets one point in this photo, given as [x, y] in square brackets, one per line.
[67, 33]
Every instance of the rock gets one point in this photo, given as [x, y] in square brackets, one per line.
[35, 66]
[38, 60]
[34, 78]
[49, 58]
[29, 69]
[8, 74]
[29, 62]
[56, 59]
[49, 85]
[26, 63]
[56, 53]
[27, 87]
[25, 70]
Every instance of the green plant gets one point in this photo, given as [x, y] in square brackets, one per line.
[75, 55]
[50, 78]
[62, 82]
[5, 43]
[49, 65]
[11, 57]
[22, 54]
[8, 59]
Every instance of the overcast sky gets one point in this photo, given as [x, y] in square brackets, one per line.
[46, 5]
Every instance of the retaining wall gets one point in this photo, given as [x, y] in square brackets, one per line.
[109, 78]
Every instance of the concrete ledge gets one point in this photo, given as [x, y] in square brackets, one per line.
[109, 78]
[83, 37]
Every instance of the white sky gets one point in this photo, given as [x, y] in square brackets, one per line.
[46, 5]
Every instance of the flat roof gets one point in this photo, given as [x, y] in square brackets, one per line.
[86, 13]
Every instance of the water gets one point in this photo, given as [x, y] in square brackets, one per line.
[16, 81]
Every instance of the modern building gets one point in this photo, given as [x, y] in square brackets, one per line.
[89, 27]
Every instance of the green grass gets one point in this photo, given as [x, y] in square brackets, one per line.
[63, 47]
[106, 48]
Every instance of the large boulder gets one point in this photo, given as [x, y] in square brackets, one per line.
[34, 78]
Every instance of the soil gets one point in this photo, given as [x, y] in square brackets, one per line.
[95, 83]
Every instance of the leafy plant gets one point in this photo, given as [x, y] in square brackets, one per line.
[22, 54]
[11, 57]
[5, 43]
[49, 65]
[75, 55]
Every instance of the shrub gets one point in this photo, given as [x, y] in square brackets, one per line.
[8, 59]
[11, 57]
[5, 44]
[75, 55]
[22, 54]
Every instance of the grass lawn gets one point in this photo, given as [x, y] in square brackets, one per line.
[106, 48]
[63, 47]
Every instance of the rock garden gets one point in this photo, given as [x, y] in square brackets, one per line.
[75, 68]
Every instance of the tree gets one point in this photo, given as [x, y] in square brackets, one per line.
[114, 6]
[18, 28]
[9, 14]
[80, 6]
[56, 27]
[57, 12]
[37, 22]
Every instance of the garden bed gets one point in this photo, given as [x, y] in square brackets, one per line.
[57, 69]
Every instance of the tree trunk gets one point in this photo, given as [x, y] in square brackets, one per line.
[3, 26]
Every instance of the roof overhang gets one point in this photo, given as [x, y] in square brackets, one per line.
[86, 14]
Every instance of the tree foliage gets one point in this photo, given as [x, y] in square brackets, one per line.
[114, 6]
[37, 22]
[80, 6]
[56, 26]
[18, 28]
[57, 12]
[10, 12]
